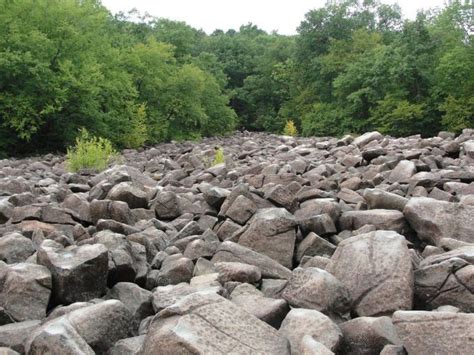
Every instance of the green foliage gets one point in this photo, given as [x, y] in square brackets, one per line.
[290, 129]
[219, 157]
[458, 113]
[90, 153]
[354, 66]
[323, 120]
[137, 135]
[398, 117]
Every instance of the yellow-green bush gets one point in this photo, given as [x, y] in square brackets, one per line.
[219, 158]
[90, 153]
[290, 129]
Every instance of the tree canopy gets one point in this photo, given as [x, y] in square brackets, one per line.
[353, 66]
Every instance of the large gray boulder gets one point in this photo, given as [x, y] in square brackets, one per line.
[402, 173]
[14, 335]
[301, 322]
[166, 205]
[129, 193]
[368, 335]
[87, 330]
[15, 248]
[377, 270]
[123, 259]
[107, 209]
[272, 232]
[447, 279]
[229, 251]
[367, 138]
[239, 272]
[136, 299]
[165, 296]
[317, 289]
[433, 220]
[209, 324]
[270, 310]
[25, 290]
[443, 333]
[79, 272]
[381, 219]
[314, 245]
[174, 270]
[381, 199]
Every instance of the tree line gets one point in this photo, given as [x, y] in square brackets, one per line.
[136, 80]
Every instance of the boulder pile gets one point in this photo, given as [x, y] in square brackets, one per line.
[352, 245]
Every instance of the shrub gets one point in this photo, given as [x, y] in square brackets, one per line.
[137, 135]
[290, 129]
[219, 157]
[90, 153]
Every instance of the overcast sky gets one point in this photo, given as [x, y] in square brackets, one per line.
[281, 15]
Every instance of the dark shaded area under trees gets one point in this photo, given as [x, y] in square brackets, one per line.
[353, 67]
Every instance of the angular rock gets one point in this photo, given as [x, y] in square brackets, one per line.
[447, 279]
[435, 332]
[272, 232]
[208, 323]
[99, 326]
[433, 220]
[15, 248]
[6, 210]
[312, 347]
[215, 196]
[368, 335]
[136, 299]
[313, 221]
[367, 138]
[128, 346]
[165, 296]
[25, 290]
[380, 199]
[271, 311]
[302, 322]
[59, 337]
[123, 263]
[234, 271]
[314, 245]
[402, 173]
[273, 288]
[241, 210]
[14, 335]
[79, 273]
[129, 193]
[166, 205]
[281, 196]
[106, 209]
[230, 252]
[80, 205]
[317, 289]
[174, 270]
[350, 196]
[381, 219]
[376, 268]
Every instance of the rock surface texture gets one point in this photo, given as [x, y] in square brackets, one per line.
[359, 245]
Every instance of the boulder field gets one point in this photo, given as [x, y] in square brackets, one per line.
[352, 245]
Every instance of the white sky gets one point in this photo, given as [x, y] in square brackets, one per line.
[281, 15]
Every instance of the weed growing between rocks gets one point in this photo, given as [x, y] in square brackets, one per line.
[219, 157]
[90, 153]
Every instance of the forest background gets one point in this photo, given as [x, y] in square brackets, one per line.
[137, 80]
